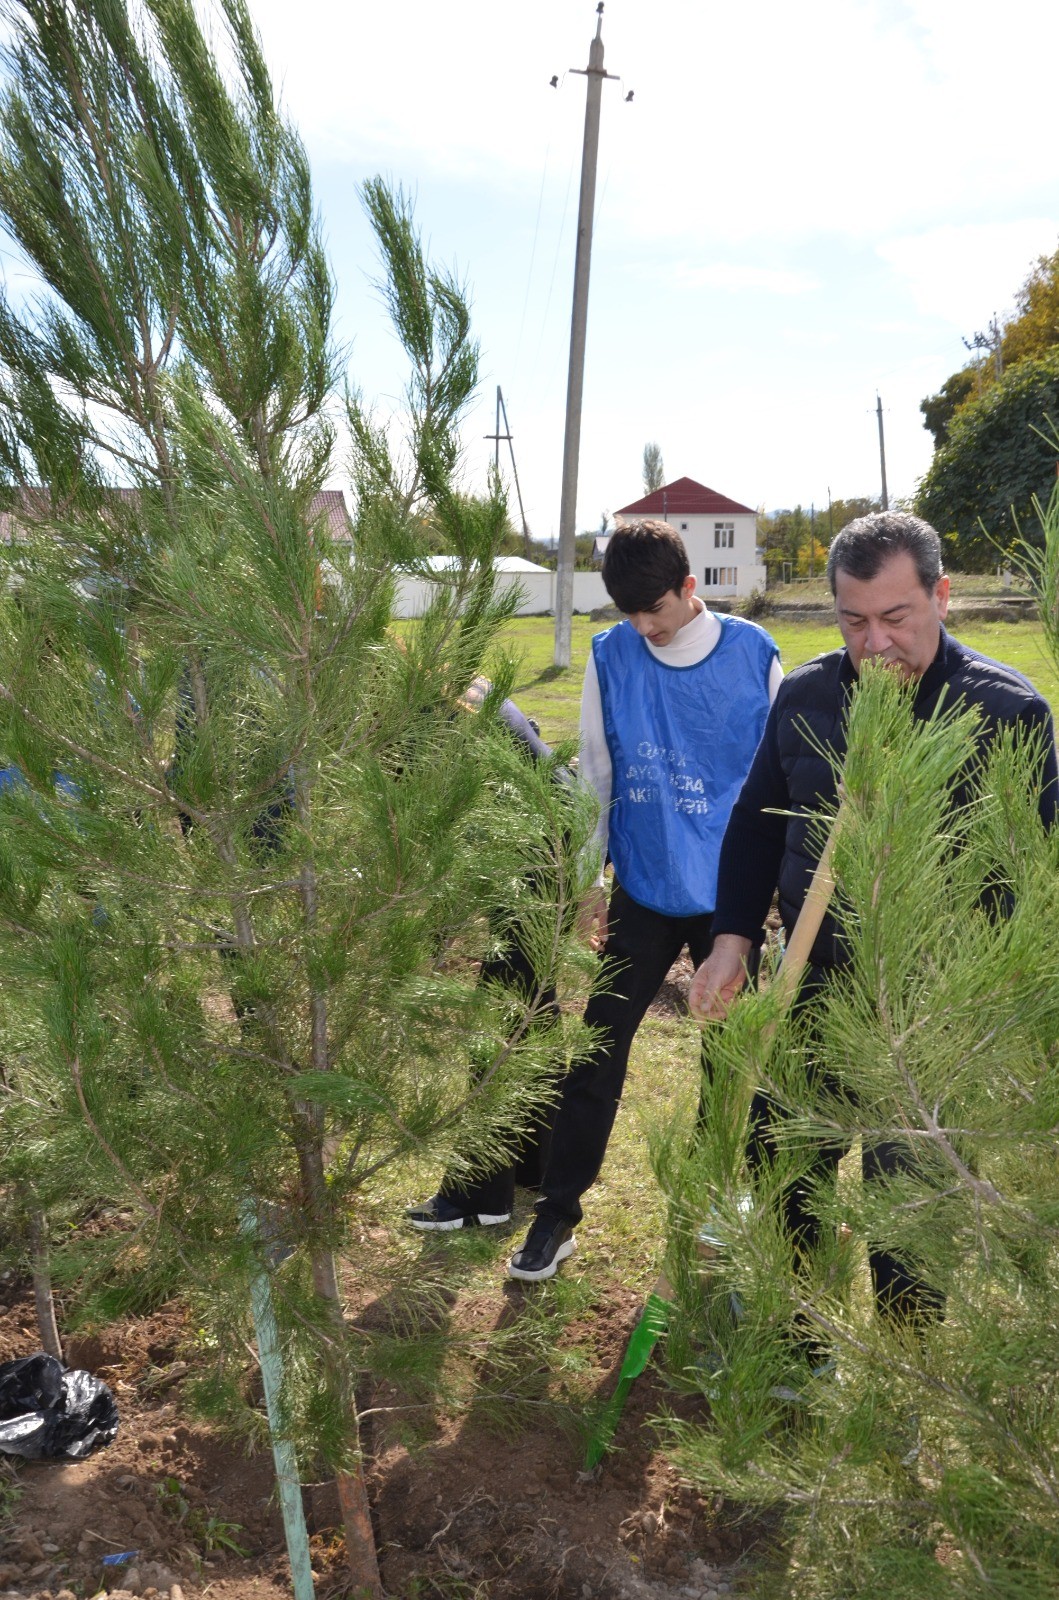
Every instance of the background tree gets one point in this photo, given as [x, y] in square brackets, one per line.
[654, 472]
[238, 930]
[1000, 456]
[844, 511]
[939, 409]
[1033, 332]
[795, 542]
[780, 534]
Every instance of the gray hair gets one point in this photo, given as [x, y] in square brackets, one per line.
[866, 543]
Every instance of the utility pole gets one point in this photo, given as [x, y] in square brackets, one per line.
[990, 341]
[812, 540]
[564, 578]
[882, 453]
[495, 438]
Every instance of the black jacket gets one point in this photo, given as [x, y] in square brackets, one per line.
[763, 852]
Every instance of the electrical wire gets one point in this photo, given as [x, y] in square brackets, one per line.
[533, 257]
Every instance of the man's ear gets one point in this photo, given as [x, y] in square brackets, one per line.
[687, 588]
[941, 595]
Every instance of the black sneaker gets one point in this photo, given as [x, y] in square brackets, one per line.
[547, 1243]
[438, 1215]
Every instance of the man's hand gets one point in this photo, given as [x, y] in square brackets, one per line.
[719, 979]
[592, 919]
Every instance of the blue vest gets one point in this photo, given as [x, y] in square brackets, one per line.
[681, 740]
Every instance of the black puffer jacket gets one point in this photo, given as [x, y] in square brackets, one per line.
[762, 852]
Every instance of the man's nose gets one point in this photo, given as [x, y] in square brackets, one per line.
[877, 641]
[642, 622]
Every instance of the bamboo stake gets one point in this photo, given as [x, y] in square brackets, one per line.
[290, 1494]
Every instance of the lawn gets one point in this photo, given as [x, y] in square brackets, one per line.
[625, 1216]
[552, 696]
[662, 1072]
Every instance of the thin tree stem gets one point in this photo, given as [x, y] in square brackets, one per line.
[43, 1298]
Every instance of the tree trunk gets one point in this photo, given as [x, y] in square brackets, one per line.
[351, 1487]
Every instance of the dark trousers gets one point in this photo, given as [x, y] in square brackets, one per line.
[494, 1192]
[900, 1292]
[641, 947]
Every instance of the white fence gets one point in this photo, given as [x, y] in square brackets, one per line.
[536, 588]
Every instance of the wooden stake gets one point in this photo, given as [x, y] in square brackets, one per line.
[810, 919]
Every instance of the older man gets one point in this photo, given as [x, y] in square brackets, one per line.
[891, 599]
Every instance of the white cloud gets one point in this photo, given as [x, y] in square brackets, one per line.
[801, 204]
[963, 273]
[736, 277]
[854, 116]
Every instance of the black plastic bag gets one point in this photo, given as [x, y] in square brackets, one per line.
[47, 1413]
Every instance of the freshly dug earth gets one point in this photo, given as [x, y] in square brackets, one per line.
[469, 1514]
[465, 1513]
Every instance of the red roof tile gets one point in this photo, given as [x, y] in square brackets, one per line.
[333, 501]
[684, 498]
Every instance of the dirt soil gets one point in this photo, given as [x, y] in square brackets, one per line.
[469, 1516]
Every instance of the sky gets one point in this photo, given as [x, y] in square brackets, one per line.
[801, 208]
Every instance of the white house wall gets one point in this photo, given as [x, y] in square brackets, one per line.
[704, 555]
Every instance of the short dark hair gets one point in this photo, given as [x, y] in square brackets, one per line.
[643, 562]
[866, 543]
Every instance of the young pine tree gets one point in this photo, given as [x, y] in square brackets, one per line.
[250, 856]
[919, 1460]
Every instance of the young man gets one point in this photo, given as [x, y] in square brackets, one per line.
[891, 599]
[674, 703]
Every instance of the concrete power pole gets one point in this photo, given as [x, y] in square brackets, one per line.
[882, 454]
[564, 580]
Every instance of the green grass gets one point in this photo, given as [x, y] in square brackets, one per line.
[553, 697]
[549, 694]
[964, 586]
[519, 1357]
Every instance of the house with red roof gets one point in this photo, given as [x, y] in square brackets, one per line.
[720, 535]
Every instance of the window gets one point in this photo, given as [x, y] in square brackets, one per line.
[683, 527]
[724, 535]
[717, 577]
